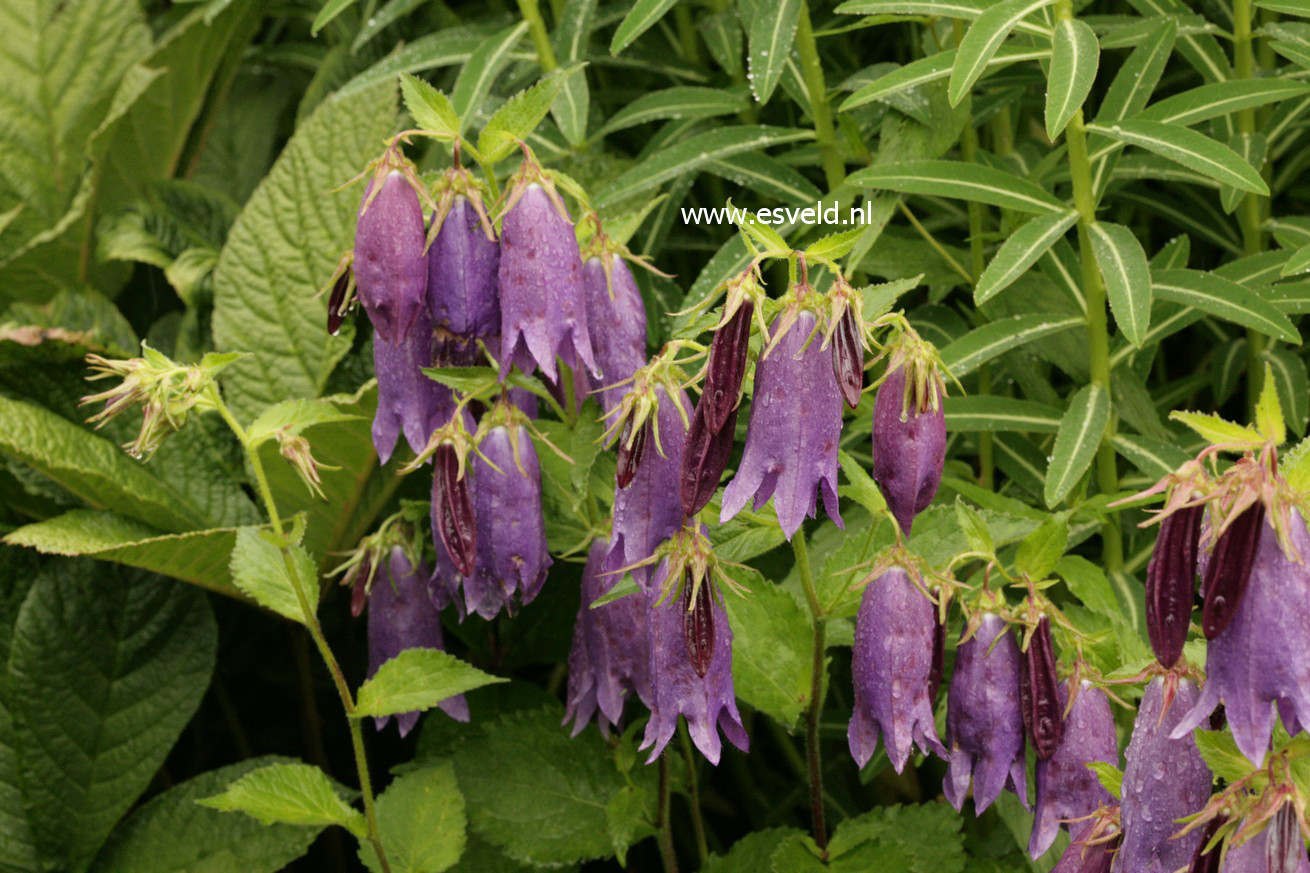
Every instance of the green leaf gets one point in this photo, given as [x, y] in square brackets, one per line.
[1155, 458]
[974, 528]
[933, 68]
[1218, 431]
[1286, 7]
[1080, 433]
[571, 108]
[833, 246]
[1221, 755]
[1193, 150]
[1089, 584]
[415, 680]
[296, 794]
[198, 557]
[285, 245]
[260, 571]
[331, 9]
[1298, 263]
[519, 117]
[1020, 251]
[421, 819]
[959, 180]
[483, 66]
[683, 102]
[772, 649]
[293, 417]
[982, 40]
[1127, 277]
[1074, 58]
[1224, 299]
[980, 412]
[91, 467]
[772, 29]
[107, 667]
[860, 486]
[919, 838]
[1217, 99]
[1110, 777]
[767, 176]
[172, 833]
[431, 109]
[691, 154]
[1289, 376]
[641, 17]
[1132, 86]
[1268, 411]
[445, 48]
[1040, 551]
[981, 344]
[543, 797]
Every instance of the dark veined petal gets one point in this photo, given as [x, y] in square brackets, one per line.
[1171, 583]
[727, 367]
[1230, 569]
[1284, 850]
[848, 359]
[1203, 861]
[452, 510]
[335, 299]
[698, 625]
[1042, 716]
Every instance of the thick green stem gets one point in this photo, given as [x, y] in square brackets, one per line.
[834, 169]
[693, 789]
[540, 38]
[1250, 212]
[818, 673]
[665, 838]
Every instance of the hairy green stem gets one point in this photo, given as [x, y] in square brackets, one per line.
[818, 673]
[540, 38]
[693, 788]
[665, 838]
[834, 170]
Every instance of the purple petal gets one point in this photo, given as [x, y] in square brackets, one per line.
[907, 454]
[391, 272]
[461, 295]
[1066, 788]
[618, 326]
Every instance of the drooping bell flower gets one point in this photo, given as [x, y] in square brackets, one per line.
[400, 617]
[391, 269]
[1066, 788]
[543, 309]
[648, 510]
[1171, 583]
[891, 666]
[1039, 692]
[617, 317]
[795, 428]
[408, 401]
[1269, 851]
[462, 298]
[1228, 570]
[1263, 656]
[1164, 780]
[909, 439]
[610, 656]
[690, 651]
[984, 727]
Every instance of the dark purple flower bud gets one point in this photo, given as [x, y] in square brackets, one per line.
[632, 449]
[795, 428]
[391, 271]
[938, 659]
[462, 263]
[908, 451]
[648, 511]
[408, 400]
[511, 555]
[708, 701]
[611, 650]
[848, 358]
[617, 325]
[1164, 780]
[1086, 854]
[1256, 854]
[1066, 788]
[1263, 656]
[891, 666]
[705, 459]
[400, 616]
[452, 510]
[984, 728]
[727, 366]
[543, 310]
[1039, 693]
[1203, 861]
[1229, 569]
[1171, 583]
[336, 302]
[698, 625]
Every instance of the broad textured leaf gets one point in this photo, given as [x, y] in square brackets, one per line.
[1075, 55]
[421, 818]
[1041, 549]
[417, 679]
[1224, 299]
[982, 40]
[261, 572]
[975, 182]
[174, 834]
[641, 17]
[1127, 277]
[107, 666]
[1020, 251]
[772, 649]
[1193, 150]
[982, 344]
[772, 29]
[680, 102]
[284, 246]
[296, 794]
[476, 76]
[980, 412]
[20, 569]
[1080, 433]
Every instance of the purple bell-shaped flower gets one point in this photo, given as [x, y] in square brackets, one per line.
[795, 428]
[909, 447]
[611, 650]
[892, 668]
[461, 297]
[1066, 788]
[400, 617]
[1260, 854]
[984, 726]
[391, 271]
[408, 401]
[617, 318]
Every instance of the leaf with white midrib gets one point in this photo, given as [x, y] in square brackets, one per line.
[1023, 249]
[982, 344]
[1080, 433]
[1074, 58]
[1214, 99]
[640, 18]
[772, 30]
[977, 412]
[1224, 299]
[680, 102]
[934, 8]
[932, 69]
[488, 59]
[1189, 148]
[982, 40]
[960, 180]
[1127, 276]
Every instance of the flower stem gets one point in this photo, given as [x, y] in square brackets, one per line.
[665, 838]
[310, 616]
[1251, 209]
[818, 673]
[540, 38]
[834, 169]
[693, 786]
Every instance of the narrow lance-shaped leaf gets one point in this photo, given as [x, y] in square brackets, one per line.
[933, 69]
[982, 40]
[1075, 55]
[772, 29]
[981, 344]
[1127, 276]
[1023, 249]
[975, 182]
[1080, 433]
[643, 15]
[1223, 298]
[1193, 150]
[476, 77]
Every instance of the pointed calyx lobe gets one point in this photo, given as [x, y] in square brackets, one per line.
[1171, 583]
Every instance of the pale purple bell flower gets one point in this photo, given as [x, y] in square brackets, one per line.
[391, 270]
[401, 616]
[617, 325]
[408, 401]
[909, 452]
[1066, 788]
[984, 724]
[462, 298]
[795, 429]
[891, 665]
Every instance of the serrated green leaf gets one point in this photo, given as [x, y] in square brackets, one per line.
[981, 344]
[293, 417]
[982, 40]
[860, 486]
[106, 668]
[979, 412]
[1221, 754]
[1041, 550]
[284, 246]
[1268, 410]
[1080, 433]
[1127, 276]
[1089, 584]
[1193, 150]
[1224, 299]
[960, 180]
[772, 649]
[431, 109]
[974, 528]
[519, 117]
[833, 246]
[1020, 251]
[1218, 431]
[771, 31]
[421, 820]
[415, 680]
[296, 794]
[260, 571]
[1110, 777]
[1075, 55]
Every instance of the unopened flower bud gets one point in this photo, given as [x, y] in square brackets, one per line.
[1042, 710]
[1171, 583]
[1229, 570]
